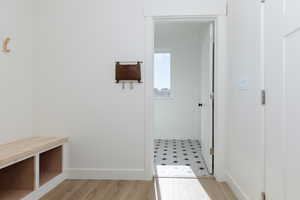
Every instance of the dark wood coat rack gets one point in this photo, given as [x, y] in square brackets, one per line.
[128, 71]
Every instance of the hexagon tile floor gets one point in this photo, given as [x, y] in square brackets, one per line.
[179, 159]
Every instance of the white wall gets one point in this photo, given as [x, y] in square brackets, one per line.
[187, 7]
[77, 43]
[245, 139]
[16, 70]
[178, 117]
[76, 94]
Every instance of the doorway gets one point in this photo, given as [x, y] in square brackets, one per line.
[183, 98]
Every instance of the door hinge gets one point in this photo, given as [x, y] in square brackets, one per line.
[212, 151]
[212, 96]
[263, 97]
[263, 196]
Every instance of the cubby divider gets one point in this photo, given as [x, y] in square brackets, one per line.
[28, 164]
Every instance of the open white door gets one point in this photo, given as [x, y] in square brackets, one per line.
[282, 61]
[207, 98]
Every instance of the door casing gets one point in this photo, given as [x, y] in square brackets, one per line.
[220, 70]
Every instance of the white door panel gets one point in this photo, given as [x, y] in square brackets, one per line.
[291, 15]
[206, 91]
[291, 113]
[282, 62]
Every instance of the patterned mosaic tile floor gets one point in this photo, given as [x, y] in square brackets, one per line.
[179, 158]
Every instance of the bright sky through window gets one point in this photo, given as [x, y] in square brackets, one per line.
[162, 70]
[162, 74]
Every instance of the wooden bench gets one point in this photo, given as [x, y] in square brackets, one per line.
[29, 166]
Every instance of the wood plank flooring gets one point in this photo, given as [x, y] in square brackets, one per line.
[102, 190]
[170, 189]
[193, 189]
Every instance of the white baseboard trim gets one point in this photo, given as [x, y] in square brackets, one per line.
[220, 176]
[37, 194]
[236, 188]
[156, 189]
[106, 174]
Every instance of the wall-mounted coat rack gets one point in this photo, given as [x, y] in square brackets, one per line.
[5, 47]
[129, 71]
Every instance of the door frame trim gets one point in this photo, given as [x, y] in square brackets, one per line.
[220, 90]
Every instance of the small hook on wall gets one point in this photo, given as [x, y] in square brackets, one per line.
[5, 48]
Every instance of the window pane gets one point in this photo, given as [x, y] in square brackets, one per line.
[162, 74]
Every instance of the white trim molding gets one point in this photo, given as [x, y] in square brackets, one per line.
[236, 188]
[220, 130]
[220, 88]
[41, 191]
[149, 50]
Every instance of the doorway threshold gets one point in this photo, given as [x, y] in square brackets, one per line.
[192, 189]
[179, 159]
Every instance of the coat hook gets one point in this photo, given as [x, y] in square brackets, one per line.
[5, 45]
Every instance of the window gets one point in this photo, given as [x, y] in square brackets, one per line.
[162, 74]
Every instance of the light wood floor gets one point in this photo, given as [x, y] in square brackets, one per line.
[102, 190]
[193, 189]
[170, 189]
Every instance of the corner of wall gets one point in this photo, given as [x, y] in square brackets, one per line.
[235, 187]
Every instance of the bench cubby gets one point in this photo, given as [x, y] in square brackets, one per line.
[30, 167]
[50, 164]
[17, 180]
